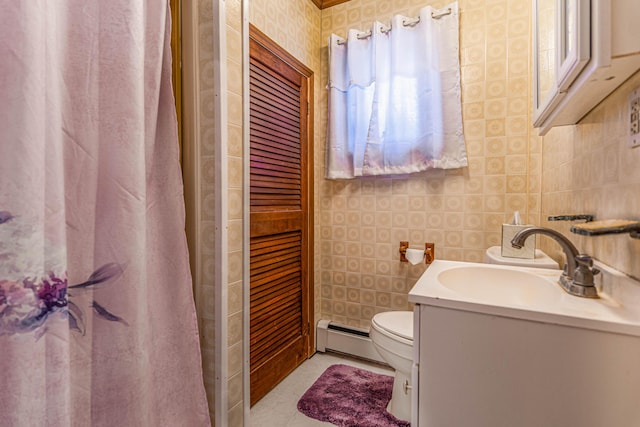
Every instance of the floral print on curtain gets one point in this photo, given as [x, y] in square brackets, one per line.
[27, 302]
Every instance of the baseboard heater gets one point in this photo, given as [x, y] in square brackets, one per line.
[347, 340]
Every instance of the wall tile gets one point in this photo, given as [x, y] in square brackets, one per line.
[588, 168]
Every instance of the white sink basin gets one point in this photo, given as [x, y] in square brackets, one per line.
[497, 286]
[520, 292]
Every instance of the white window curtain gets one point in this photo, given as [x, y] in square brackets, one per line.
[394, 97]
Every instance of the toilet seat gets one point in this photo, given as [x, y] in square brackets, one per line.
[397, 325]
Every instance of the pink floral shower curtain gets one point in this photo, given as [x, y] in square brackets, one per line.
[97, 321]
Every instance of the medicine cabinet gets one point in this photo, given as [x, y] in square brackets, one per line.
[582, 51]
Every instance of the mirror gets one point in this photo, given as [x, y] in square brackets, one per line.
[562, 49]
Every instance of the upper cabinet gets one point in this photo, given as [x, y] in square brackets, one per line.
[583, 50]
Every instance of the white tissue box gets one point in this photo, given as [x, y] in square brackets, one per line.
[528, 251]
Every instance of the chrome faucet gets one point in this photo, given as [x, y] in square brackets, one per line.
[577, 277]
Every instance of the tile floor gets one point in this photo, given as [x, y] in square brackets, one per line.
[278, 407]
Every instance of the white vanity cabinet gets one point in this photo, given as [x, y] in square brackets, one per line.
[495, 349]
[482, 370]
[582, 51]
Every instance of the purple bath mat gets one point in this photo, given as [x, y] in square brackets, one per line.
[350, 397]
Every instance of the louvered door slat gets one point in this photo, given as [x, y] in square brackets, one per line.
[291, 178]
[263, 244]
[266, 316]
[275, 110]
[275, 302]
[273, 127]
[269, 109]
[267, 152]
[259, 137]
[282, 181]
[262, 76]
[258, 182]
[270, 150]
[265, 259]
[279, 118]
[261, 301]
[262, 163]
[281, 108]
[266, 310]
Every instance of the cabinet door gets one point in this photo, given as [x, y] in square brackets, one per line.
[573, 41]
[415, 369]
[562, 48]
[545, 89]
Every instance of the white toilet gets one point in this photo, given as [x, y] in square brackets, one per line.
[392, 336]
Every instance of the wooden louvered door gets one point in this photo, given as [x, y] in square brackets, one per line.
[280, 214]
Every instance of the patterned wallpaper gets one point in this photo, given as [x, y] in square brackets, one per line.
[362, 221]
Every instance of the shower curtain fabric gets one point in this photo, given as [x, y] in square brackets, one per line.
[394, 97]
[97, 320]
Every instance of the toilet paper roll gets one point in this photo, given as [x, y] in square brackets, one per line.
[415, 256]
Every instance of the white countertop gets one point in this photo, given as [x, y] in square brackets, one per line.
[550, 304]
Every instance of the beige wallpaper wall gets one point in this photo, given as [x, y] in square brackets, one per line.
[362, 221]
[589, 168]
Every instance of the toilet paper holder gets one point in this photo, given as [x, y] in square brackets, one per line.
[429, 252]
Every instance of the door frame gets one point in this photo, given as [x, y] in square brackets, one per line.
[250, 31]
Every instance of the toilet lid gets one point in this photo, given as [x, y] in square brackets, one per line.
[398, 323]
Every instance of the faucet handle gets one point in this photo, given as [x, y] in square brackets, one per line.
[584, 260]
[584, 270]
